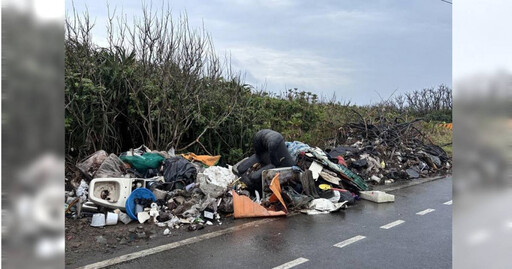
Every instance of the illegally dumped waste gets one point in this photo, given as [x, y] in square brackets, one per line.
[391, 150]
[322, 206]
[214, 180]
[174, 190]
[377, 196]
[244, 207]
[205, 159]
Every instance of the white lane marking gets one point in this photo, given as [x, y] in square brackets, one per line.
[292, 263]
[449, 202]
[188, 241]
[426, 211]
[392, 224]
[350, 241]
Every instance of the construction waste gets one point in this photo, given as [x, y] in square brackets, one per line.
[171, 191]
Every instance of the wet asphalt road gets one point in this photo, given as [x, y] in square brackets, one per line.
[422, 241]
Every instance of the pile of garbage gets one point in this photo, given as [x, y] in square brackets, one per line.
[385, 152]
[150, 186]
[172, 191]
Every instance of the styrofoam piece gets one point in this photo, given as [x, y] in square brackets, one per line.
[377, 196]
[112, 218]
[98, 220]
[143, 216]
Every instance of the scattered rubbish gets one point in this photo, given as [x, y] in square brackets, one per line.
[244, 207]
[89, 166]
[205, 159]
[124, 218]
[316, 169]
[360, 164]
[112, 218]
[112, 166]
[179, 169]
[208, 214]
[190, 186]
[153, 212]
[322, 206]
[83, 190]
[190, 191]
[137, 194]
[142, 162]
[214, 181]
[98, 220]
[271, 152]
[375, 178]
[143, 216]
[412, 173]
[159, 194]
[377, 196]
[392, 149]
[110, 192]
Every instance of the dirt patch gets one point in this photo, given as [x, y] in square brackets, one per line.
[86, 244]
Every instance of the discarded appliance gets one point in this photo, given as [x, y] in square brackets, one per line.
[113, 192]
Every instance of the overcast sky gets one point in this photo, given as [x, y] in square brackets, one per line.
[354, 49]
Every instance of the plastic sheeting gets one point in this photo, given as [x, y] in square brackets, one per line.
[205, 159]
[92, 163]
[113, 166]
[144, 162]
[214, 181]
[178, 168]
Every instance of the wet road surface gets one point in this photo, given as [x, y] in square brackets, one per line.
[413, 232]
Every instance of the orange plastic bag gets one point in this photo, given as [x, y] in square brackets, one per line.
[206, 159]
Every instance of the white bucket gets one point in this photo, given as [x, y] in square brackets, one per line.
[98, 220]
[112, 218]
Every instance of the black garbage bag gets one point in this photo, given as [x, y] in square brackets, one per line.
[271, 149]
[179, 169]
[246, 164]
[347, 196]
[271, 152]
[341, 151]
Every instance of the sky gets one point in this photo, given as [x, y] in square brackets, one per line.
[361, 51]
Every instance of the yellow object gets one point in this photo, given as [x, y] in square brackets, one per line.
[206, 159]
[383, 164]
[324, 187]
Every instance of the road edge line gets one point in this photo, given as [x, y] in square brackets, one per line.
[169, 246]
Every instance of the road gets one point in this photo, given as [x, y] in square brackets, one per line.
[418, 235]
